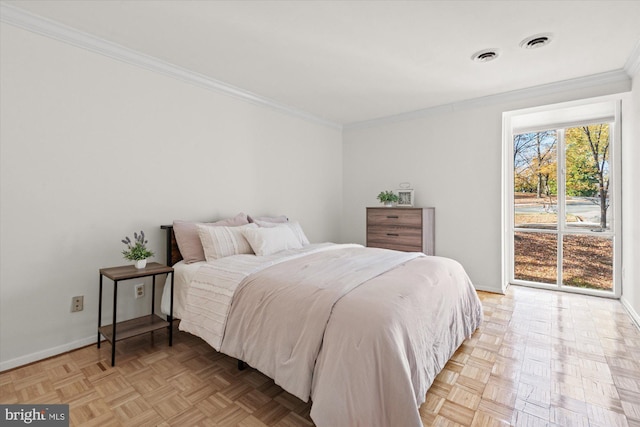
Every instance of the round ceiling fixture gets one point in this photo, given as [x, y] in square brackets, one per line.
[485, 55]
[534, 42]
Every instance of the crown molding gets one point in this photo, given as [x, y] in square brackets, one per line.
[611, 77]
[632, 66]
[20, 18]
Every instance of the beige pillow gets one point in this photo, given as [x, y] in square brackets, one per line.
[220, 242]
[270, 240]
[188, 240]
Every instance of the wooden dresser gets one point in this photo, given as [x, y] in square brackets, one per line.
[402, 229]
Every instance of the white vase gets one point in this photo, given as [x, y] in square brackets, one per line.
[141, 263]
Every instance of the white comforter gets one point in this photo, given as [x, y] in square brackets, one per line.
[361, 331]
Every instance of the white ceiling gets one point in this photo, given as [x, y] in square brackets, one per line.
[352, 61]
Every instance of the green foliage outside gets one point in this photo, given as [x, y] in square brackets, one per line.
[535, 163]
[587, 158]
[587, 153]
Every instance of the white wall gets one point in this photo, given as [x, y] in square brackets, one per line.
[631, 203]
[453, 160]
[93, 149]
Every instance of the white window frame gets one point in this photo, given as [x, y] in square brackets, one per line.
[546, 118]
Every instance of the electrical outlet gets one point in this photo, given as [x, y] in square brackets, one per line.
[139, 290]
[77, 303]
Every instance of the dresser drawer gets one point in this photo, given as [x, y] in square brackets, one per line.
[395, 246]
[401, 229]
[395, 217]
[397, 238]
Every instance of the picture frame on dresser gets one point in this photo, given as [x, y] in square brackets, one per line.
[405, 198]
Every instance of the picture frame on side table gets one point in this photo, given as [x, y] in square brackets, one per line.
[405, 197]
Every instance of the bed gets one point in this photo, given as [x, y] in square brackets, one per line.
[361, 332]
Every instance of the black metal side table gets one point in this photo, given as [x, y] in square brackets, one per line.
[138, 325]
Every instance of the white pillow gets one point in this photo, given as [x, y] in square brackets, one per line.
[295, 227]
[297, 230]
[270, 240]
[219, 242]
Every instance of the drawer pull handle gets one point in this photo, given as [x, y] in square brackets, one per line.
[392, 216]
[393, 234]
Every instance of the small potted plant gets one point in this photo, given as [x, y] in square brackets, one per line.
[137, 250]
[388, 198]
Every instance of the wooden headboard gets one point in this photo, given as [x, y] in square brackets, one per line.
[173, 254]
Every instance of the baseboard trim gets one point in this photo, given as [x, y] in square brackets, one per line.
[44, 354]
[632, 312]
[491, 289]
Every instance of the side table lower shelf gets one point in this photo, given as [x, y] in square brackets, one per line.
[133, 327]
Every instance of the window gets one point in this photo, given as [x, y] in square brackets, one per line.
[560, 190]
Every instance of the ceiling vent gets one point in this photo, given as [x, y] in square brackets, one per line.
[485, 55]
[534, 42]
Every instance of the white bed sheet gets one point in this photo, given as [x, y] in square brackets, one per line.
[183, 275]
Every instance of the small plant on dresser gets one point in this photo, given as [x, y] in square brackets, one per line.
[388, 198]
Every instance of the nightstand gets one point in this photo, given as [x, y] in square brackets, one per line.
[138, 325]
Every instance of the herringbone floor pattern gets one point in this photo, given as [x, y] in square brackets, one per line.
[540, 359]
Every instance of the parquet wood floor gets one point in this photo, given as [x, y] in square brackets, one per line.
[540, 358]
